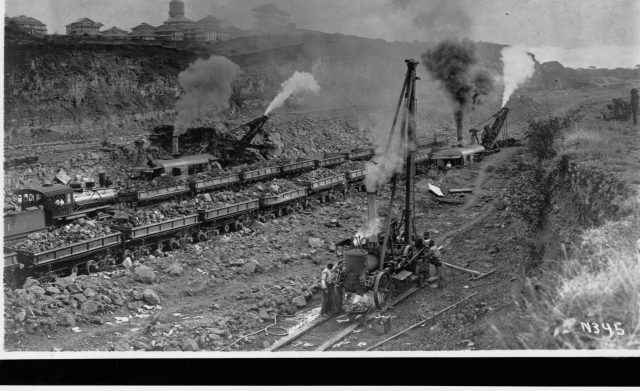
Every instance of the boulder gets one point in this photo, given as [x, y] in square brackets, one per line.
[64, 282]
[36, 290]
[299, 301]
[80, 298]
[20, 316]
[74, 288]
[90, 307]
[144, 274]
[315, 242]
[174, 269]
[116, 299]
[127, 264]
[67, 319]
[52, 290]
[249, 268]
[30, 282]
[190, 345]
[264, 315]
[151, 297]
[89, 292]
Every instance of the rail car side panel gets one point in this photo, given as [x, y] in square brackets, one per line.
[283, 197]
[131, 233]
[298, 166]
[227, 211]
[261, 173]
[325, 183]
[68, 252]
[162, 192]
[216, 182]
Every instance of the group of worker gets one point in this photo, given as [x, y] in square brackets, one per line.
[332, 292]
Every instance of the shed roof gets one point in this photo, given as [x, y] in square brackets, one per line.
[185, 161]
[22, 20]
[77, 21]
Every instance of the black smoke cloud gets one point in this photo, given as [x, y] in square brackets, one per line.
[452, 63]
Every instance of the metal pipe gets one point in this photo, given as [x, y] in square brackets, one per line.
[175, 150]
[411, 148]
[372, 215]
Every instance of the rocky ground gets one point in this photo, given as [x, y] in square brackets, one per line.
[207, 295]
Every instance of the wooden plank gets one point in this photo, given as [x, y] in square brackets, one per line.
[464, 190]
[448, 200]
[338, 337]
[290, 338]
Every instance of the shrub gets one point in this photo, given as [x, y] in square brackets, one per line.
[619, 110]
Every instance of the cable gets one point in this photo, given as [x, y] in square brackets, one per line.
[266, 330]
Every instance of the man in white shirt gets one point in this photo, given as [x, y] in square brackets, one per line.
[328, 291]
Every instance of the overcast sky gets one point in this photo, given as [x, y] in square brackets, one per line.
[604, 33]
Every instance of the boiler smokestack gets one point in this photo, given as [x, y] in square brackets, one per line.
[372, 215]
[175, 150]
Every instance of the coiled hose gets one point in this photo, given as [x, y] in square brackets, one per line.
[266, 330]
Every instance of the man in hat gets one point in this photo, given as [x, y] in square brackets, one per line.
[634, 105]
[328, 291]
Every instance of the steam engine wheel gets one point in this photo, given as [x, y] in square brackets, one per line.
[382, 290]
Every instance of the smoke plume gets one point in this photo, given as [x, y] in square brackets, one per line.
[452, 63]
[207, 86]
[518, 68]
[300, 81]
[388, 159]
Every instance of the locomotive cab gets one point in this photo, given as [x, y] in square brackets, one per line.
[55, 200]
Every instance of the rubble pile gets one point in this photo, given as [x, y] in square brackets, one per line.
[140, 217]
[64, 302]
[352, 165]
[316, 175]
[220, 199]
[161, 181]
[215, 172]
[68, 234]
[273, 187]
[263, 163]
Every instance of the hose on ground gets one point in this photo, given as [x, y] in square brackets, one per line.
[266, 330]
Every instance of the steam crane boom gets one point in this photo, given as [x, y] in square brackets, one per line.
[490, 135]
[255, 127]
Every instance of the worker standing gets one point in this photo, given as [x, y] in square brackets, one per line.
[634, 105]
[435, 258]
[337, 291]
[328, 291]
[474, 135]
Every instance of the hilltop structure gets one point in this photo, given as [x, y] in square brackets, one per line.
[84, 27]
[179, 28]
[115, 33]
[30, 25]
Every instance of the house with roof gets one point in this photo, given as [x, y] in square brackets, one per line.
[144, 32]
[268, 17]
[115, 33]
[84, 27]
[30, 25]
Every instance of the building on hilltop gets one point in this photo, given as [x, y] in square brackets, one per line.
[143, 31]
[268, 17]
[115, 33]
[83, 27]
[169, 33]
[178, 27]
[30, 25]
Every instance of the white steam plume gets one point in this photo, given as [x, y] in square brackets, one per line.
[300, 81]
[518, 68]
[207, 86]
